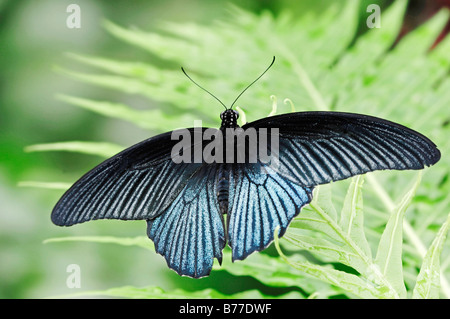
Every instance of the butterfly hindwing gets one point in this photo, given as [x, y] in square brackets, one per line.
[190, 233]
[260, 200]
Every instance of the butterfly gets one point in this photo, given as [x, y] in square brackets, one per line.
[193, 209]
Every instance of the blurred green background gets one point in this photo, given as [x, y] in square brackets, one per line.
[34, 40]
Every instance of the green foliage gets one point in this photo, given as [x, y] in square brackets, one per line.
[385, 242]
[428, 280]
[92, 148]
[344, 241]
[159, 293]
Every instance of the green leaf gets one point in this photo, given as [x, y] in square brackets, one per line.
[268, 270]
[389, 254]
[346, 281]
[339, 242]
[428, 280]
[140, 241]
[370, 46]
[141, 70]
[417, 43]
[324, 247]
[93, 148]
[323, 197]
[48, 185]
[352, 221]
[273, 272]
[149, 119]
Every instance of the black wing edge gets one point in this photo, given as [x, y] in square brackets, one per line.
[313, 124]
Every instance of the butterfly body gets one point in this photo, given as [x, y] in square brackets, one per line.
[223, 186]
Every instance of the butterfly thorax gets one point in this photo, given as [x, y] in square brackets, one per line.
[229, 119]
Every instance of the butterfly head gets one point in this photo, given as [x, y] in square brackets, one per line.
[229, 118]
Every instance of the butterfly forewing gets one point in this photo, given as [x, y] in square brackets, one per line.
[320, 147]
[138, 183]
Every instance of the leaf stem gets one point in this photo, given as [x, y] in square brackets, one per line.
[407, 228]
[358, 251]
[303, 76]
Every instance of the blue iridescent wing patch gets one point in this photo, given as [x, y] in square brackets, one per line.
[190, 233]
[260, 200]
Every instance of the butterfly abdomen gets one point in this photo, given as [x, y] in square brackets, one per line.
[223, 185]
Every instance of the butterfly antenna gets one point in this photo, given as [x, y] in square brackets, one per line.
[182, 69]
[253, 82]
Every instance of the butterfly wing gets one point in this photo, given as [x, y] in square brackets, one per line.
[314, 148]
[260, 200]
[190, 232]
[138, 183]
[144, 182]
[320, 147]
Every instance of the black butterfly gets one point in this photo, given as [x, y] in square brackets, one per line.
[184, 203]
